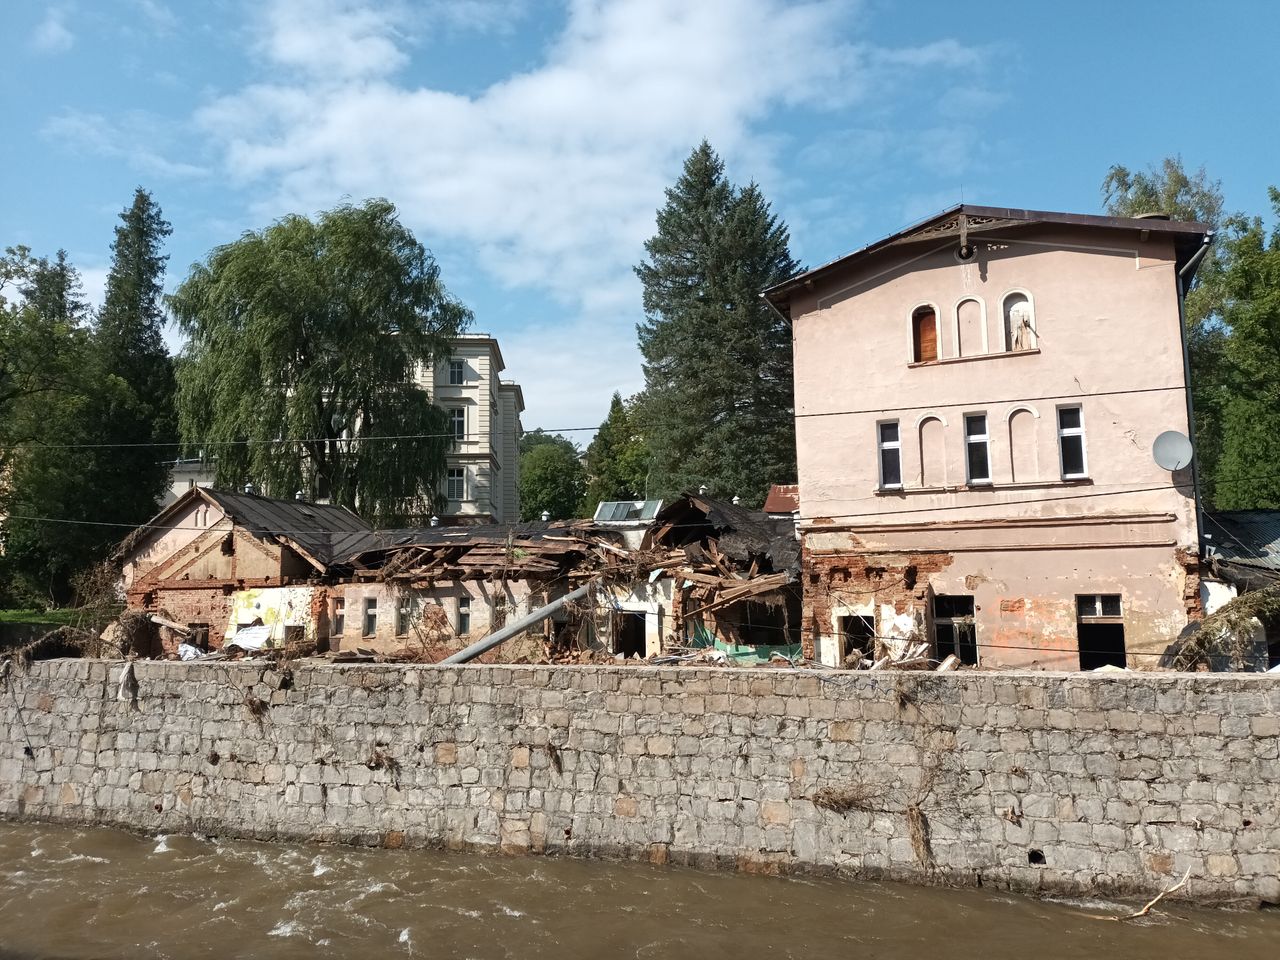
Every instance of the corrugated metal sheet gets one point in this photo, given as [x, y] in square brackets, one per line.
[783, 498]
[1247, 537]
[315, 527]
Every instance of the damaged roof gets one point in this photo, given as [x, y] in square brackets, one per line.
[1187, 236]
[312, 529]
[783, 498]
[1250, 538]
[740, 534]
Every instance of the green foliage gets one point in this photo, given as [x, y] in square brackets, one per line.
[717, 406]
[539, 437]
[617, 459]
[550, 480]
[312, 330]
[50, 396]
[1248, 476]
[1172, 190]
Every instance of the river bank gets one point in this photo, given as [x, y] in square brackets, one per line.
[74, 893]
[1066, 784]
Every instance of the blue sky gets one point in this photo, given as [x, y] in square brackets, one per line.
[528, 143]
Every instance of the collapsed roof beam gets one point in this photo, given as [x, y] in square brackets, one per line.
[512, 629]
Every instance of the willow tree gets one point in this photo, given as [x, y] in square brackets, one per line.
[299, 371]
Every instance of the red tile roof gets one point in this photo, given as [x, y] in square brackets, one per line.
[783, 498]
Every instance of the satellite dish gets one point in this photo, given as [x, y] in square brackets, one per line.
[1172, 450]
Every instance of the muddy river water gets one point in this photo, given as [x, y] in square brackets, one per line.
[72, 893]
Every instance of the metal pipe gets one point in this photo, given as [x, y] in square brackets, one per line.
[511, 629]
[1187, 270]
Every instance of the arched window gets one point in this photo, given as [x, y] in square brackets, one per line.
[924, 334]
[1019, 322]
[1024, 457]
[933, 452]
[971, 327]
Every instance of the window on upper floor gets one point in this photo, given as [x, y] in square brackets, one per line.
[457, 373]
[924, 334]
[456, 484]
[458, 423]
[1071, 450]
[890, 445]
[977, 448]
[464, 615]
[933, 452]
[1019, 322]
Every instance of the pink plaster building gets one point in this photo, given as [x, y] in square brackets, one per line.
[976, 402]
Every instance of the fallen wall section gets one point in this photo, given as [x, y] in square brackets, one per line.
[1031, 781]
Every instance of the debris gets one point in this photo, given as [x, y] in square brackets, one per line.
[1231, 638]
[128, 688]
[950, 663]
[1147, 909]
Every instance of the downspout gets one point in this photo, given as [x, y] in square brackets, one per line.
[521, 625]
[1184, 275]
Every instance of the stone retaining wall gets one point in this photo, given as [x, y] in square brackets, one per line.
[1062, 783]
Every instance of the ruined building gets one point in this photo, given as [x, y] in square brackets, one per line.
[976, 402]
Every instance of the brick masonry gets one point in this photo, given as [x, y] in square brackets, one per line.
[1030, 781]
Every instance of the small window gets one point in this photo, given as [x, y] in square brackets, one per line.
[464, 615]
[977, 448]
[370, 616]
[338, 617]
[457, 484]
[458, 423]
[924, 335]
[890, 455]
[406, 614]
[1071, 443]
[457, 373]
[191, 484]
[953, 628]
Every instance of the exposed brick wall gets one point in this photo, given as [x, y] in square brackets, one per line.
[1119, 783]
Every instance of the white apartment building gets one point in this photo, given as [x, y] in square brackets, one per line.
[482, 481]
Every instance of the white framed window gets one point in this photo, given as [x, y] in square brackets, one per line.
[406, 612]
[1071, 448]
[458, 423]
[464, 615]
[889, 442]
[977, 448]
[370, 616]
[456, 485]
[338, 617]
[457, 373]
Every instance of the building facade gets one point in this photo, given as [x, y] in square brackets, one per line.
[482, 484]
[976, 403]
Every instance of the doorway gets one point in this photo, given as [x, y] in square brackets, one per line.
[1100, 630]
[628, 633]
[857, 639]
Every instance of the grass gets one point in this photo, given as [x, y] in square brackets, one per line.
[55, 617]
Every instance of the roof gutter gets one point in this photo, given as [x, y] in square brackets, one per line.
[1185, 276]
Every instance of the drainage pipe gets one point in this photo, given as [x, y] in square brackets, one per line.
[511, 629]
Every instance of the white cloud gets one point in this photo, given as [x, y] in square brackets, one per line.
[161, 19]
[94, 133]
[52, 34]
[550, 177]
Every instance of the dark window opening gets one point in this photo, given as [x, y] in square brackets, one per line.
[764, 624]
[858, 639]
[1101, 644]
[1036, 858]
[337, 619]
[924, 335]
[1100, 630]
[370, 616]
[953, 628]
[890, 444]
[628, 634]
[977, 448]
[199, 635]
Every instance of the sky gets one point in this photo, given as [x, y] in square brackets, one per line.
[528, 143]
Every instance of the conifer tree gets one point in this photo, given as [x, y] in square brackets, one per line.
[617, 459]
[717, 408]
[137, 417]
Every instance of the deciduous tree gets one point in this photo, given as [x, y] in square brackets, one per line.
[303, 342]
[551, 481]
